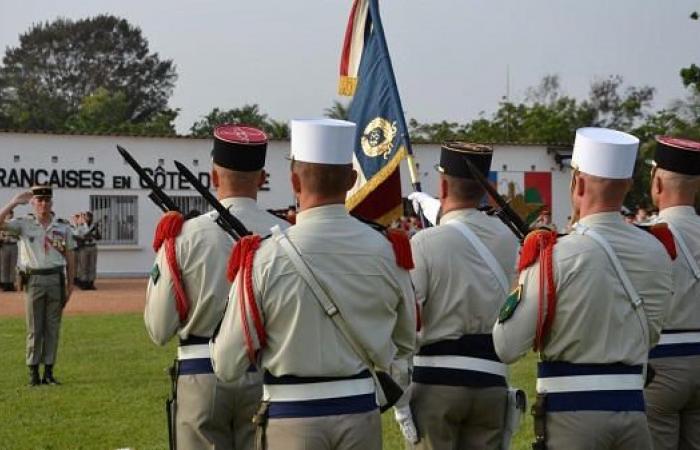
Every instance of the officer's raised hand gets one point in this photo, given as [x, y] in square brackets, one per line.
[22, 198]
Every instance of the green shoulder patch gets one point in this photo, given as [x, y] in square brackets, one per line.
[155, 273]
[511, 303]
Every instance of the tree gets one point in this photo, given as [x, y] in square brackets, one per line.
[104, 112]
[246, 115]
[338, 110]
[57, 65]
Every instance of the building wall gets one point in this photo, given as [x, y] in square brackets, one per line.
[82, 166]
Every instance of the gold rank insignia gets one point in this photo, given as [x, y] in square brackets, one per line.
[511, 303]
[378, 137]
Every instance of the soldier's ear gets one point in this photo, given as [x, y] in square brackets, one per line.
[261, 180]
[215, 178]
[443, 188]
[296, 182]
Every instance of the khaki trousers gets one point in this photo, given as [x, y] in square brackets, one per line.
[44, 308]
[87, 267]
[673, 403]
[215, 415]
[8, 262]
[80, 263]
[342, 432]
[597, 430]
[456, 417]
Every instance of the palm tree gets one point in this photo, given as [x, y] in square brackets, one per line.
[338, 110]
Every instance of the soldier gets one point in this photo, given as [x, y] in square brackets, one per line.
[592, 306]
[464, 269]
[317, 385]
[47, 269]
[77, 230]
[8, 258]
[673, 397]
[210, 414]
[86, 235]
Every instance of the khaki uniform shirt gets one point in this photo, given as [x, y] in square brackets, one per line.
[203, 250]
[39, 247]
[684, 309]
[456, 290]
[358, 267]
[594, 321]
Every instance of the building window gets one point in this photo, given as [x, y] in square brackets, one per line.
[16, 158]
[117, 218]
[91, 160]
[191, 204]
[54, 159]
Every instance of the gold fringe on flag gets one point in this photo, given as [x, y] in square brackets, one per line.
[374, 182]
[347, 86]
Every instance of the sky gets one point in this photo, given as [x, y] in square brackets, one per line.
[451, 57]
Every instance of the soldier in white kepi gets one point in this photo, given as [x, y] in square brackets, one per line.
[673, 397]
[592, 304]
[319, 307]
[187, 293]
[464, 268]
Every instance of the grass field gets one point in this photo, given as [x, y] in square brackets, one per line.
[115, 382]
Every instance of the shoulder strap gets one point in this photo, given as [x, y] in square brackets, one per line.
[323, 297]
[484, 252]
[632, 293]
[685, 250]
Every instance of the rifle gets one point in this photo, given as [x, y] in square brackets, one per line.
[157, 195]
[226, 220]
[504, 211]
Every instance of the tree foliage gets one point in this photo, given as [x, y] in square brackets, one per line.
[250, 115]
[338, 110]
[60, 70]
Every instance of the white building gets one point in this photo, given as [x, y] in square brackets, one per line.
[87, 173]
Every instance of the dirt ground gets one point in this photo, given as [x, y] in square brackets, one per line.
[111, 296]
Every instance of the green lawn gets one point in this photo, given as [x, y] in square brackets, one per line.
[115, 382]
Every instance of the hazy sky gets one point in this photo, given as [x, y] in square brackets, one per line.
[450, 56]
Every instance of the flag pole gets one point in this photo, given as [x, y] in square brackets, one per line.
[410, 159]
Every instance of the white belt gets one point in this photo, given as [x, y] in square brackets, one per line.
[193, 351]
[679, 338]
[462, 363]
[317, 391]
[581, 383]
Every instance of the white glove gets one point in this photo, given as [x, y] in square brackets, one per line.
[405, 420]
[426, 203]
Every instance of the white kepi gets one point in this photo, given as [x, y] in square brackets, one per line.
[322, 141]
[605, 153]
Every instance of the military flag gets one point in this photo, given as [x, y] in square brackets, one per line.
[382, 139]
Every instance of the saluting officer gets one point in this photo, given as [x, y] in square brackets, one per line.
[317, 386]
[47, 268]
[8, 258]
[464, 270]
[592, 306]
[673, 397]
[191, 302]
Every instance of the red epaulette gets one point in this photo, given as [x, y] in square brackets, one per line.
[168, 229]
[240, 265]
[535, 242]
[539, 246]
[665, 236]
[402, 247]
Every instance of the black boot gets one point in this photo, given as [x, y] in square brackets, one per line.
[48, 375]
[34, 376]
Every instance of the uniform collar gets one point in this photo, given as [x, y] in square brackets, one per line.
[335, 211]
[678, 211]
[458, 214]
[603, 218]
[239, 203]
[51, 224]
